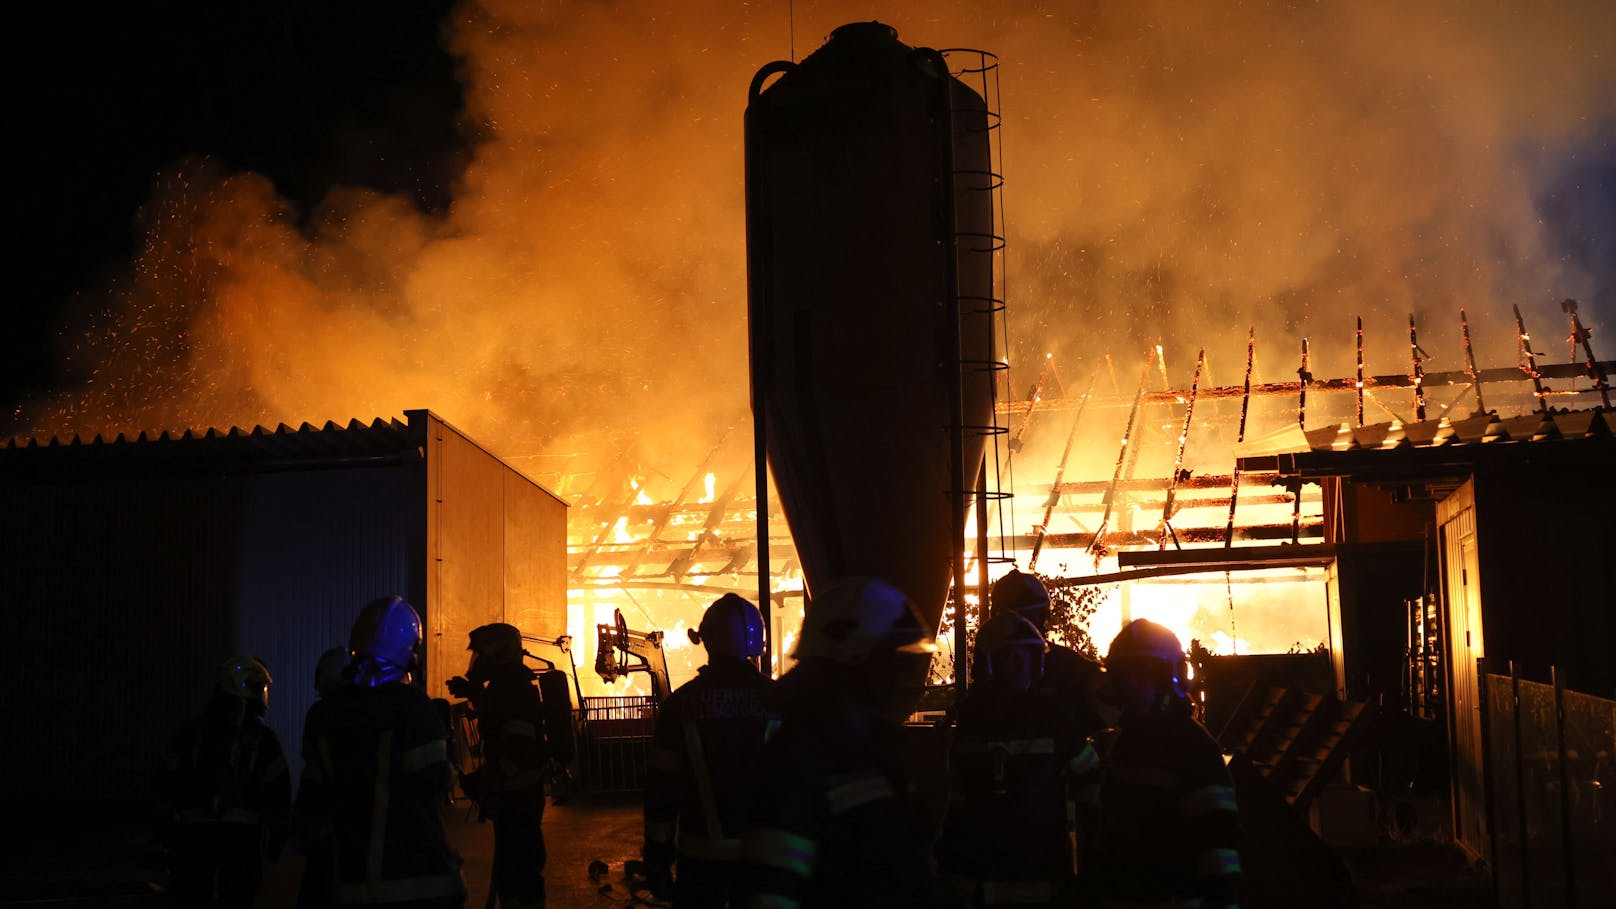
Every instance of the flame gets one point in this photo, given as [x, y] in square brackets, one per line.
[709, 483]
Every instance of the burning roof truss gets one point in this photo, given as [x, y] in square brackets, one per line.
[704, 537]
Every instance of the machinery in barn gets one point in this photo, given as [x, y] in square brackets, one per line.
[614, 731]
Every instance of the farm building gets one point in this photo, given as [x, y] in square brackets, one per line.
[133, 567]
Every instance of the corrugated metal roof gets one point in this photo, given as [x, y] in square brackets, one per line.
[256, 449]
[1481, 429]
[1442, 447]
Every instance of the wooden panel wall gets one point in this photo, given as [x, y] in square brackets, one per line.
[1456, 515]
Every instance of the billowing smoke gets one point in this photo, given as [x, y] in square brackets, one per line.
[1175, 172]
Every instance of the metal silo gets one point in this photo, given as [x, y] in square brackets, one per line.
[871, 247]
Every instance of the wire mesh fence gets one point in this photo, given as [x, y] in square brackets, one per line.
[1552, 759]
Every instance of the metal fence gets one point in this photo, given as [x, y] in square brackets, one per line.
[1552, 763]
[614, 742]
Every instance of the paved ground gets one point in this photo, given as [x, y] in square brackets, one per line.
[600, 828]
[92, 857]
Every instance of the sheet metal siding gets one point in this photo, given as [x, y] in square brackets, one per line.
[466, 549]
[317, 546]
[1548, 574]
[121, 596]
[496, 550]
[535, 558]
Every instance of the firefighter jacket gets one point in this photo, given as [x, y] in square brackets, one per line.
[226, 767]
[709, 733]
[512, 724]
[833, 823]
[1070, 679]
[1169, 832]
[1006, 828]
[376, 770]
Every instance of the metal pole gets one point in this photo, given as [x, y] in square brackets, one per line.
[1245, 407]
[942, 112]
[1520, 786]
[1567, 852]
[983, 584]
[759, 241]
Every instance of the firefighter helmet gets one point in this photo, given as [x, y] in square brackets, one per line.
[245, 677]
[1008, 631]
[499, 642]
[385, 639]
[852, 619]
[1022, 593]
[731, 627]
[328, 671]
[1143, 645]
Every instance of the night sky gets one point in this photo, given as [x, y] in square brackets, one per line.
[310, 94]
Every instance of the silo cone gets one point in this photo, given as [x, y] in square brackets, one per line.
[865, 165]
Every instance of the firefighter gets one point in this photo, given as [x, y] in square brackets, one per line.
[1069, 677]
[509, 787]
[1169, 831]
[709, 733]
[224, 784]
[329, 671]
[376, 770]
[833, 824]
[1005, 836]
[318, 874]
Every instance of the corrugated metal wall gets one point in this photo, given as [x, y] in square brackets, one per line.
[535, 558]
[127, 575]
[497, 550]
[118, 599]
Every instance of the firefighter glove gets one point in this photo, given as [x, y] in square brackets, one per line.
[464, 688]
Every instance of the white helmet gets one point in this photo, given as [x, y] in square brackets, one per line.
[854, 618]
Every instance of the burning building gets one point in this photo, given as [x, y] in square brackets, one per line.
[1172, 186]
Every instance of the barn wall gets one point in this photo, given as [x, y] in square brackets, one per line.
[1548, 571]
[1369, 621]
[497, 548]
[1365, 513]
[1464, 598]
[120, 596]
[535, 558]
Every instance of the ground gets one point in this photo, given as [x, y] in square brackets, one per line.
[90, 856]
